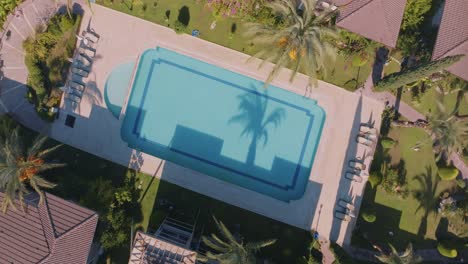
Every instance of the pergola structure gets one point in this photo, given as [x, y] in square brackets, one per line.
[169, 245]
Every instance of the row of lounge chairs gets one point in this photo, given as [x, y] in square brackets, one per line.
[81, 67]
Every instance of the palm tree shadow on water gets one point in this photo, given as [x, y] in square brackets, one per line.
[257, 121]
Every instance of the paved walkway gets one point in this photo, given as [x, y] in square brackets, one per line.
[98, 132]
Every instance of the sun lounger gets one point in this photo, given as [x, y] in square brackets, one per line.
[346, 205]
[87, 49]
[80, 72]
[76, 86]
[367, 129]
[84, 56]
[91, 35]
[342, 216]
[355, 164]
[364, 141]
[368, 135]
[72, 97]
[76, 92]
[353, 177]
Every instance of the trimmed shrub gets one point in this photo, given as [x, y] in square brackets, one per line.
[448, 173]
[387, 143]
[179, 27]
[461, 183]
[369, 216]
[375, 179]
[446, 250]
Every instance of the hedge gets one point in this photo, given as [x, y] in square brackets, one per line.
[446, 250]
[375, 179]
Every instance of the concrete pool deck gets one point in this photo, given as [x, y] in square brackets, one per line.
[123, 38]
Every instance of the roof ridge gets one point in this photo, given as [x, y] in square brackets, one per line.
[95, 215]
[44, 215]
[388, 27]
[357, 9]
[451, 49]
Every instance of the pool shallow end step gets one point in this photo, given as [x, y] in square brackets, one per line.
[222, 124]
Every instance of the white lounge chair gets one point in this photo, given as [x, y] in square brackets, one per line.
[76, 92]
[346, 205]
[364, 141]
[342, 216]
[358, 165]
[367, 129]
[76, 85]
[72, 97]
[79, 72]
[353, 177]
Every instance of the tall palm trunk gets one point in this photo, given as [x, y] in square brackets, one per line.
[252, 150]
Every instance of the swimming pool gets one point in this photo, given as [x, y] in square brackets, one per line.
[222, 124]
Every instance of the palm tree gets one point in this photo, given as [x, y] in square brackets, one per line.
[256, 123]
[427, 196]
[20, 168]
[449, 133]
[300, 42]
[407, 257]
[229, 250]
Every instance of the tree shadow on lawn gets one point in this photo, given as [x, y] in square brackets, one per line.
[388, 220]
[184, 15]
[189, 206]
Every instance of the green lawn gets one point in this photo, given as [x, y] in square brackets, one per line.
[91, 181]
[397, 215]
[228, 33]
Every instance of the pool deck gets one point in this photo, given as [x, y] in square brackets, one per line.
[97, 131]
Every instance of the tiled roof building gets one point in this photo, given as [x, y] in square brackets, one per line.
[452, 38]
[57, 231]
[379, 20]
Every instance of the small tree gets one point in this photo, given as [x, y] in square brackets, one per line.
[396, 80]
[229, 250]
[407, 257]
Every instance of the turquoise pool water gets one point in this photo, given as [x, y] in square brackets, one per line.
[116, 87]
[222, 124]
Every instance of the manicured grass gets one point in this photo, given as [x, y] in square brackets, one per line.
[428, 102]
[397, 215]
[228, 33]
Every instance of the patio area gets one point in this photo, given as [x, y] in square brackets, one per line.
[123, 38]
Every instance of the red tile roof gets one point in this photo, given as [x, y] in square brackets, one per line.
[452, 38]
[379, 20]
[57, 231]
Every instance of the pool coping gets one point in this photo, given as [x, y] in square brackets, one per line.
[130, 136]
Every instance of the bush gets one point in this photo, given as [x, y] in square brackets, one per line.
[461, 183]
[446, 250]
[179, 27]
[375, 179]
[387, 143]
[369, 216]
[448, 173]
[6, 6]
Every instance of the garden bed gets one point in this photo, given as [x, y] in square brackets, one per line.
[47, 60]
